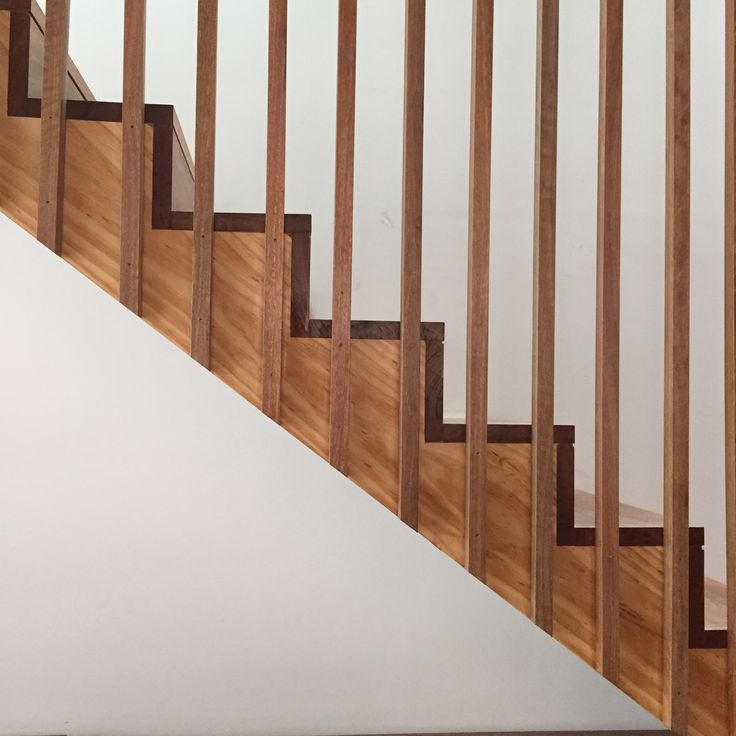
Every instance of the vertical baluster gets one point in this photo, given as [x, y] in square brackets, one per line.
[273, 278]
[608, 299]
[543, 362]
[133, 165]
[476, 442]
[53, 125]
[676, 367]
[730, 350]
[343, 247]
[411, 263]
[204, 180]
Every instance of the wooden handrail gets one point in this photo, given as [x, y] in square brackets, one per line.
[343, 244]
[204, 181]
[273, 266]
[134, 152]
[53, 126]
[677, 368]
[411, 264]
[543, 351]
[608, 310]
[476, 381]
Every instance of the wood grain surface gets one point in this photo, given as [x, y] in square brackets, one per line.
[92, 245]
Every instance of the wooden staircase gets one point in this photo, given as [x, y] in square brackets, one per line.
[91, 242]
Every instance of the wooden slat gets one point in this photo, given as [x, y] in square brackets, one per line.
[676, 367]
[343, 246]
[411, 263]
[478, 273]
[273, 277]
[543, 362]
[608, 299]
[53, 125]
[204, 181]
[730, 352]
[133, 165]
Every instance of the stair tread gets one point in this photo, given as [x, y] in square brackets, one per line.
[633, 516]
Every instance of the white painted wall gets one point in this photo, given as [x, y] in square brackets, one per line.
[96, 42]
[172, 562]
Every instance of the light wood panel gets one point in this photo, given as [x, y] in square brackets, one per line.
[91, 244]
[476, 381]
[676, 367]
[204, 181]
[53, 125]
[730, 350]
[133, 164]
[608, 300]
[543, 352]
[342, 268]
[273, 292]
[411, 263]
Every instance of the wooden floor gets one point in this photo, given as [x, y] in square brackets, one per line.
[91, 245]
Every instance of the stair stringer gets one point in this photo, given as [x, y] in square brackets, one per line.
[91, 235]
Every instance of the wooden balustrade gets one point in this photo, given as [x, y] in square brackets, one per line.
[607, 336]
[730, 350]
[411, 264]
[204, 181]
[53, 126]
[343, 244]
[543, 474]
[134, 154]
[479, 230]
[543, 353]
[676, 368]
[273, 267]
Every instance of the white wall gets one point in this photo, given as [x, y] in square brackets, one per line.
[171, 562]
[97, 47]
